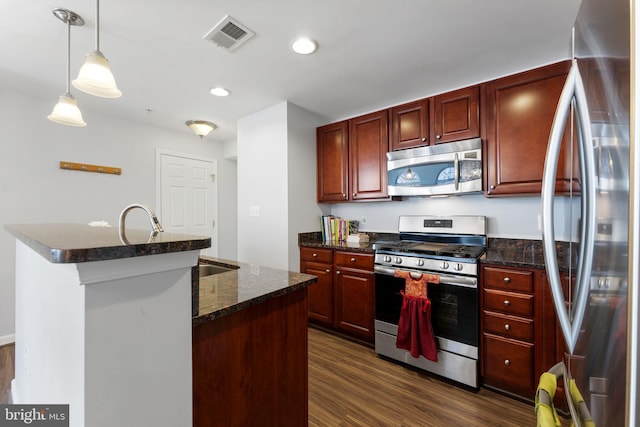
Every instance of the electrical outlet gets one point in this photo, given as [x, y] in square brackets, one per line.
[254, 210]
[363, 219]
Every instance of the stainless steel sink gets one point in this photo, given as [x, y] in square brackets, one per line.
[211, 269]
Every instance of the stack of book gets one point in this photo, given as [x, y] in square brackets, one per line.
[334, 230]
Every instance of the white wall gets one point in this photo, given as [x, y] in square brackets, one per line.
[507, 217]
[269, 143]
[33, 189]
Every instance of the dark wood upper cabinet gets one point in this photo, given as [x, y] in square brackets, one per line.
[410, 125]
[447, 117]
[368, 147]
[456, 115]
[519, 113]
[332, 153]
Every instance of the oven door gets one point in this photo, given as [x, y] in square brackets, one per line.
[454, 304]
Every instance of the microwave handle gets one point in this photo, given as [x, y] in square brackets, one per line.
[456, 175]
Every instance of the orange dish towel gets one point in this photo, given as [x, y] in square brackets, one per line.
[415, 332]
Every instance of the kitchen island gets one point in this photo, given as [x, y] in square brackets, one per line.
[250, 347]
[106, 327]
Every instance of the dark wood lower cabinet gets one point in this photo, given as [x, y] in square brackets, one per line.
[518, 329]
[250, 367]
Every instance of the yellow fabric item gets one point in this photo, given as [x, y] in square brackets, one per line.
[545, 412]
[577, 398]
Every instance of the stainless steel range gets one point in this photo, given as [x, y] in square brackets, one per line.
[448, 247]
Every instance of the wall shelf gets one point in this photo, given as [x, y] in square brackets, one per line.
[90, 168]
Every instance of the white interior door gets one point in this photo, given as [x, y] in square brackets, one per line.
[188, 197]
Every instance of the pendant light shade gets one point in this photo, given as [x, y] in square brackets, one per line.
[200, 127]
[66, 111]
[95, 77]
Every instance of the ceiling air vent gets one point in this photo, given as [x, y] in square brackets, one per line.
[229, 34]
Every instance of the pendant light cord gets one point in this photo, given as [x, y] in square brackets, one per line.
[98, 25]
[68, 53]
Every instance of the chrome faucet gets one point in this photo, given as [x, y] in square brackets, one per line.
[155, 224]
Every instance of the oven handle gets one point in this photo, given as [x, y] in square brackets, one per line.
[445, 279]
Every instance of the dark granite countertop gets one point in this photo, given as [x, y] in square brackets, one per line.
[522, 253]
[74, 243]
[245, 285]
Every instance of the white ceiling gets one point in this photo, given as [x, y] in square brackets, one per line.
[372, 53]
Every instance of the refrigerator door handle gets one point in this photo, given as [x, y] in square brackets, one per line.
[571, 317]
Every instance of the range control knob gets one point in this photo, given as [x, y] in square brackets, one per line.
[387, 258]
[444, 265]
[457, 267]
[398, 260]
[420, 262]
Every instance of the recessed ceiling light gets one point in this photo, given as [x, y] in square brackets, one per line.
[304, 46]
[219, 91]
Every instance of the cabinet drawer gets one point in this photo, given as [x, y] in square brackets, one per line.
[509, 361]
[509, 326]
[316, 255]
[508, 302]
[508, 280]
[354, 260]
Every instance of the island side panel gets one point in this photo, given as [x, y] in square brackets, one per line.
[250, 368]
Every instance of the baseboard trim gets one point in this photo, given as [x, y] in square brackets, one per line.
[7, 339]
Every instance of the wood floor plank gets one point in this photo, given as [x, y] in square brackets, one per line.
[349, 385]
[7, 363]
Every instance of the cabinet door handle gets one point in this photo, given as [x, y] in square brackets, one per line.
[507, 362]
[438, 136]
[507, 302]
[506, 280]
[354, 194]
[328, 270]
[507, 326]
[353, 260]
[424, 139]
[493, 187]
[315, 255]
[338, 272]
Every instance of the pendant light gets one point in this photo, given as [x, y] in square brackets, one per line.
[95, 77]
[66, 111]
[201, 127]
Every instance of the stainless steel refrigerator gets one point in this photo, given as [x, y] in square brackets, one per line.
[595, 292]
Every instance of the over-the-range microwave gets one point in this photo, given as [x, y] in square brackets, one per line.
[449, 168]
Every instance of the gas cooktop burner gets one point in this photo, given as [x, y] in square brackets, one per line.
[429, 248]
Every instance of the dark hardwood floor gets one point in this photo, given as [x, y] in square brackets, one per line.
[349, 385]
[7, 358]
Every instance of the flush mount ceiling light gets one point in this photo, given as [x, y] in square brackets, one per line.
[66, 111]
[304, 46]
[219, 91]
[95, 77]
[201, 128]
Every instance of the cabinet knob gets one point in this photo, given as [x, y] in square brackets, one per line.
[353, 260]
[506, 280]
[507, 326]
[493, 187]
[354, 194]
[344, 196]
[424, 139]
[315, 255]
[506, 302]
[507, 362]
[438, 136]
[338, 272]
[327, 270]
